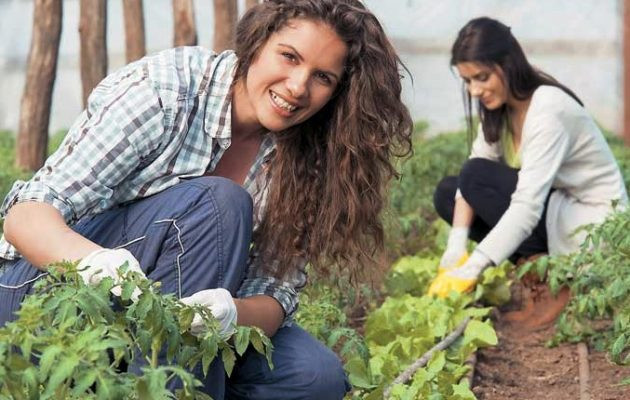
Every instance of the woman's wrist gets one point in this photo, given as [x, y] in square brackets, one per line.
[458, 238]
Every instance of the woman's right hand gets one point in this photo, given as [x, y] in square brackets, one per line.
[104, 263]
[456, 252]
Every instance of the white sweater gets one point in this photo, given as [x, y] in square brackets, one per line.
[561, 148]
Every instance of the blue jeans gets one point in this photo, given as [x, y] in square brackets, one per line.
[190, 237]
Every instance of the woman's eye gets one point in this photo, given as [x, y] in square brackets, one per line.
[324, 78]
[289, 56]
[483, 77]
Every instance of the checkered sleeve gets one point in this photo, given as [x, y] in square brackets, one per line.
[121, 125]
[285, 290]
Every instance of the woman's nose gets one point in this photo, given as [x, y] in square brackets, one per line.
[297, 83]
[474, 89]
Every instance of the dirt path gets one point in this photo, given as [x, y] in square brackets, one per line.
[521, 367]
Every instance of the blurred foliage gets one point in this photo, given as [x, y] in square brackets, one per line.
[410, 220]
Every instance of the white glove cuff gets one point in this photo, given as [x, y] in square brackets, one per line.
[89, 259]
[478, 260]
[457, 238]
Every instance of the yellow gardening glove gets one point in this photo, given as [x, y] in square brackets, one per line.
[462, 259]
[443, 284]
[462, 278]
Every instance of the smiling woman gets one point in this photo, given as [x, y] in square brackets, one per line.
[222, 175]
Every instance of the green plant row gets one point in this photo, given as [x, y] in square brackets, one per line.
[409, 323]
[73, 341]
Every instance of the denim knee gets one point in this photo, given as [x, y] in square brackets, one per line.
[230, 196]
[321, 376]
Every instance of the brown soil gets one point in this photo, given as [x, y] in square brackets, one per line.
[521, 367]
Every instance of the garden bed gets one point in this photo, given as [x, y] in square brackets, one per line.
[522, 367]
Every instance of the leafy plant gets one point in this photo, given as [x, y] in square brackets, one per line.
[598, 276]
[409, 323]
[321, 313]
[73, 341]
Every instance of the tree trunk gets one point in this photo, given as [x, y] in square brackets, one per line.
[250, 3]
[184, 17]
[135, 47]
[225, 14]
[32, 138]
[93, 44]
[626, 71]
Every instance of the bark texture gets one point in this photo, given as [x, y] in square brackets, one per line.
[92, 30]
[135, 46]
[225, 15]
[185, 32]
[32, 138]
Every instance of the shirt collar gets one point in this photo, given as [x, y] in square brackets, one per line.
[218, 107]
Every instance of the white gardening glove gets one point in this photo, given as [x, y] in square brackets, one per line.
[104, 263]
[455, 253]
[222, 307]
[462, 278]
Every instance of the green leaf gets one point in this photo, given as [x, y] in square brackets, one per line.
[461, 391]
[480, 334]
[358, 373]
[48, 358]
[241, 340]
[229, 359]
[618, 346]
[63, 370]
[437, 363]
[83, 382]
[186, 316]
[210, 347]
[127, 290]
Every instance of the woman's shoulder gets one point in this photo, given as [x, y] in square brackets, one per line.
[553, 101]
[184, 69]
[547, 94]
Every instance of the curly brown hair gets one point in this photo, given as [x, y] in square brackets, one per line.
[327, 175]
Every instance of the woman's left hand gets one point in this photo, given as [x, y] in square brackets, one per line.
[222, 307]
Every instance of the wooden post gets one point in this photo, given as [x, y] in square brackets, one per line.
[184, 18]
[32, 138]
[626, 71]
[92, 24]
[225, 15]
[135, 47]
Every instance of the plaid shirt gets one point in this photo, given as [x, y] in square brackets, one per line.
[146, 126]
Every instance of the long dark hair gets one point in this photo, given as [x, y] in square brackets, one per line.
[328, 174]
[491, 43]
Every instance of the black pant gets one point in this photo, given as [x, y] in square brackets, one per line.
[487, 186]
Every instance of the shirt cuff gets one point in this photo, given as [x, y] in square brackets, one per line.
[281, 291]
[36, 191]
